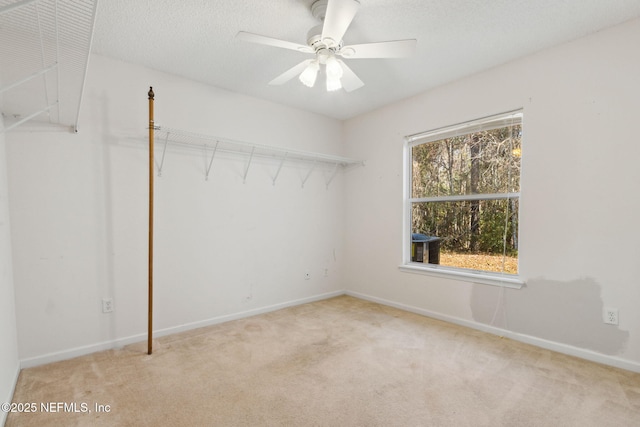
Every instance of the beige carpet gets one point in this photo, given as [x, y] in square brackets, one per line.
[339, 362]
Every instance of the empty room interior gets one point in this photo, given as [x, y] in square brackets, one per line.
[319, 212]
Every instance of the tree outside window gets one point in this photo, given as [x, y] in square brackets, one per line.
[464, 194]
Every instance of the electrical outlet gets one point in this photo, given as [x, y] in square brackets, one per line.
[107, 305]
[610, 315]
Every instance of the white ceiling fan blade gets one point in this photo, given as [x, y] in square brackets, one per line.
[269, 41]
[391, 49]
[290, 73]
[337, 19]
[350, 81]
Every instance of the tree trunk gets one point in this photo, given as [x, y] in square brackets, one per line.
[474, 239]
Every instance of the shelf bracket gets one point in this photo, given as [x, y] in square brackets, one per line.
[333, 175]
[206, 176]
[30, 77]
[246, 171]
[279, 168]
[29, 117]
[164, 150]
[309, 173]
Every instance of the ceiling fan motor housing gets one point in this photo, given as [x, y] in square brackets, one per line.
[314, 36]
[314, 40]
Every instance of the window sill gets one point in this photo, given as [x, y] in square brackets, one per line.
[485, 278]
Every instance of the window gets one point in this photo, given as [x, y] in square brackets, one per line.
[462, 198]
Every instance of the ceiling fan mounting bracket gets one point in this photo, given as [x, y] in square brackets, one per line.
[319, 9]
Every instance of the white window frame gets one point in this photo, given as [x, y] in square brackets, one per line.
[410, 141]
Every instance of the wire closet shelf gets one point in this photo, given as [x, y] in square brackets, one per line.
[213, 145]
[44, 56]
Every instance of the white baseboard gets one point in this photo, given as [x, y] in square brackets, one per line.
[9, 398]
[121, 342]
[528, 339]
[539, 342]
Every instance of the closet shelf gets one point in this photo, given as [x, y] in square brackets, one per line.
[44, 57]
[213, 144]
[164, 135]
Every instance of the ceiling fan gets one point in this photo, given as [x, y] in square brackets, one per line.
[325, 43]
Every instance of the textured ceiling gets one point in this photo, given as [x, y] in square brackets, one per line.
[196, 39]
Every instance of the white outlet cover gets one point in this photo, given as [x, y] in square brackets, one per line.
[107, 305]
[610, 315]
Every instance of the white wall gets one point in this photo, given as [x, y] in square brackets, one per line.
[222, 248]
[579, 207]
[9, 366]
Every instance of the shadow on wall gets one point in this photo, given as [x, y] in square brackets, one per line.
[563, 312]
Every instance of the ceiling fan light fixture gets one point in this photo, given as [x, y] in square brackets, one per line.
[333, 83]
[309, 75]
[333, 68]
[326, 42]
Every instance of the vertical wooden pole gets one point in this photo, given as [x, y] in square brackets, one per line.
[151, 173]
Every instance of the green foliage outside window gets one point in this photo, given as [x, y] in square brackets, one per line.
[485, 163]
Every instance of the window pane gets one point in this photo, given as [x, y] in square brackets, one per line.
[479, 162]
[472, 234]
